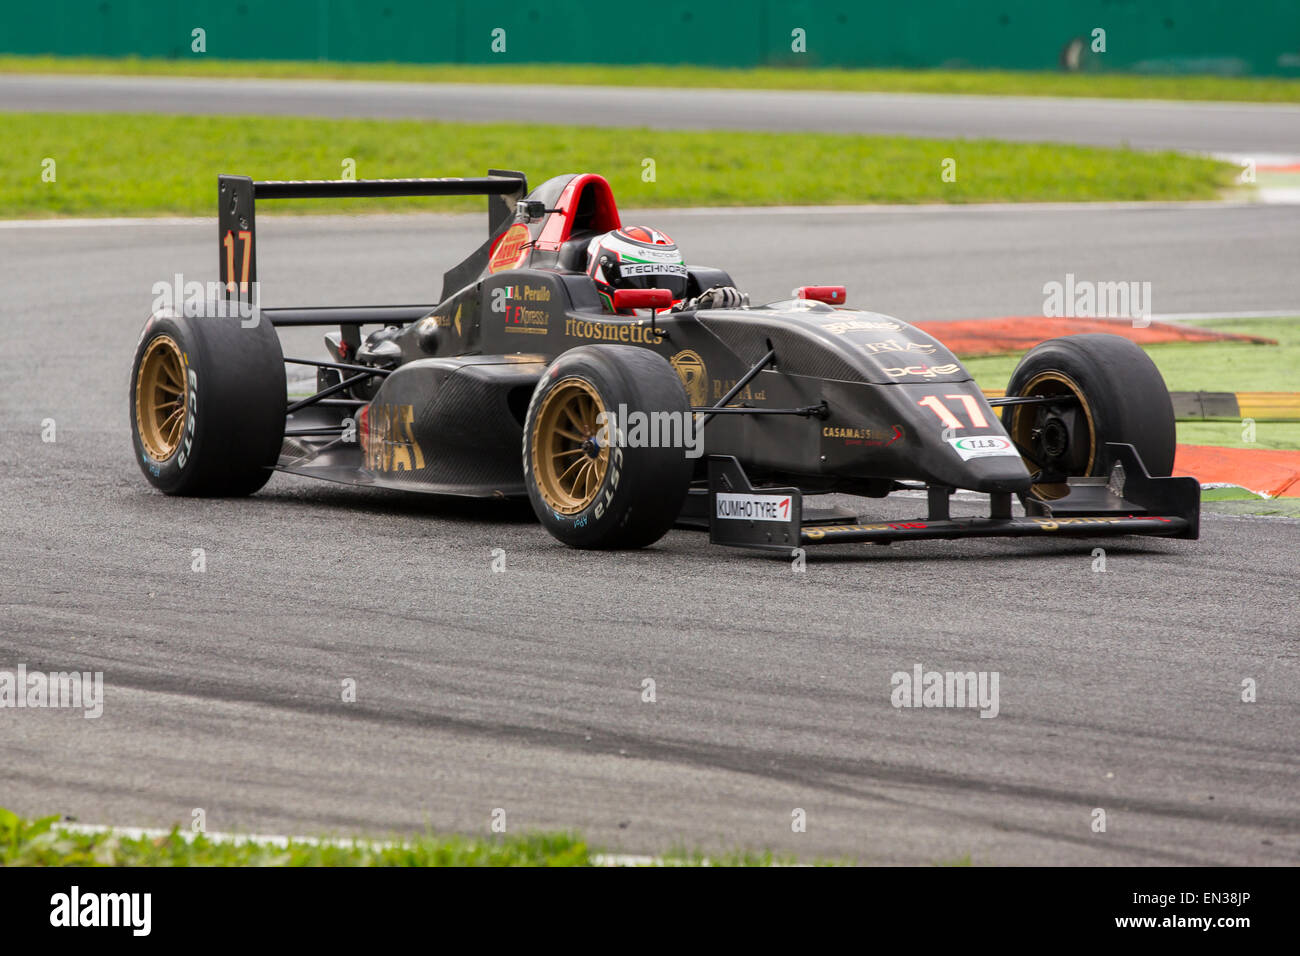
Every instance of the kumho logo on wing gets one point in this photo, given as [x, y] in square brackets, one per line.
[753, 507]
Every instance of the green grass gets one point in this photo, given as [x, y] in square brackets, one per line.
[1202, 366]
[986, 82]
[1239, 501]
[1234, 493]
[1278, 436]
[1249, 504]
[144, 164]
[1211, 367]
[43, 842]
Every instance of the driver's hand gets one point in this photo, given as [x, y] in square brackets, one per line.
[718, 297]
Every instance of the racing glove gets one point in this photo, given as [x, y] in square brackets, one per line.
[718, 297]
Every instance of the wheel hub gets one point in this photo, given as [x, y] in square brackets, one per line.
[1055, 438]
[568, 459]
[160, 408]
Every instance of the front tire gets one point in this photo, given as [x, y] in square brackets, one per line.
[207, 405]
[589, 485]
[1111, 392]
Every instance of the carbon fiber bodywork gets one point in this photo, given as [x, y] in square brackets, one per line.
[450, 426]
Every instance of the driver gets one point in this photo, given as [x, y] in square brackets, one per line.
[638, 257]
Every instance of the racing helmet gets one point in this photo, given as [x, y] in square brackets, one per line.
[636, 257]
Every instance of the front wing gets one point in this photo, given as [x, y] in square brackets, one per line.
[1128, 502]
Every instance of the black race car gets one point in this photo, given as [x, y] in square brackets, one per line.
[619, 418]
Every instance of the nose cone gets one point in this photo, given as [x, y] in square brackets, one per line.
[1000, 473]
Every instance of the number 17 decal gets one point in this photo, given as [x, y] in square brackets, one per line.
[972, 408]
[245, 237]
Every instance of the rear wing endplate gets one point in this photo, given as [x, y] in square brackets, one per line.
[237, 196]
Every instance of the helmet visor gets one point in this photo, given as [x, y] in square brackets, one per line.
[648, 275]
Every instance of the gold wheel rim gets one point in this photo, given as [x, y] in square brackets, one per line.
[568, 460]
[160, 398]
[1020, 427]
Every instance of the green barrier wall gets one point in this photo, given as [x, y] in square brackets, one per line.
[1202, 36]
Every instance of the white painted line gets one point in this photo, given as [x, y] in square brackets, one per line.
[430, 87]
[1166, 317]
[1259, 159]
[281, 842]
[1258, 314]
[1279, 196]
[85, 223]
[262, 218]
[855, 210]
[956, 208]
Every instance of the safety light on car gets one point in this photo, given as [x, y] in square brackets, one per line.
[642, 299]
[830, 294]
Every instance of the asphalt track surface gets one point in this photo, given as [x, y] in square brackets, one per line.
[1237, 128]
[522, 690]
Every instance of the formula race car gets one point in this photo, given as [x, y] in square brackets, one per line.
[620, 411]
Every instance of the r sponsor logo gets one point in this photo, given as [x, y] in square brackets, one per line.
[1056, 524]
[817, 533]
[511, 249]
[860, 325]
[443, 320]
[870, 437]
[721, 386]
[924, 371]
[192, 411]
[388, 439]
[514, 302]
[632, 333]
[893, 345]
[983, 446]
[691, 370]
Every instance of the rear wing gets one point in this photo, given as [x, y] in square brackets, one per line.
[237, 230]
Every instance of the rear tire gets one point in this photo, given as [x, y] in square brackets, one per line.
[605, 495]
[1121, 398]
[207, 405]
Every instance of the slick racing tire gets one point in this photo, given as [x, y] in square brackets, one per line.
[207, 405]
[1111, 391]
[596, 483]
